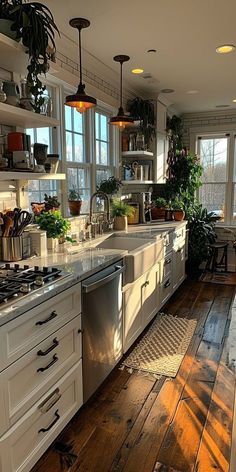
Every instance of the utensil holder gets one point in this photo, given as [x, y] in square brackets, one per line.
[12, 249]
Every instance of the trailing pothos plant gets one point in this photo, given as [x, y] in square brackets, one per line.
[144, 111]
[34, 24]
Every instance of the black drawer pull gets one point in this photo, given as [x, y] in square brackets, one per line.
[54, 360]
[179, 235]
[45, 430]
[55, 343]
[146, 283]
[167, 261]
[167, 284]
[51, 317]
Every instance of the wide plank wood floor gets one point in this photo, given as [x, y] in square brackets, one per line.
[135, 423]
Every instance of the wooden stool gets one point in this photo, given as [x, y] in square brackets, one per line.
[212, 261]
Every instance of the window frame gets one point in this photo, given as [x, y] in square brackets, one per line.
[214, 132]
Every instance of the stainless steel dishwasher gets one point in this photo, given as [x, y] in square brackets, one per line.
[102, 325]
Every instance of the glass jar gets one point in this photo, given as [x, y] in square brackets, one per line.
[140, 142]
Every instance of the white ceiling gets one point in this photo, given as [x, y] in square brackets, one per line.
[185, 34]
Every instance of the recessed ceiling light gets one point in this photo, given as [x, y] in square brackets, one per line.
[192, 92]
[225, 48]
[152, 50]
[167, 90]
[222, 106]
[137, 71]
[234, 100]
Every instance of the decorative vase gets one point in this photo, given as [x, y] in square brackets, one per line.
[179, 215]
[75, 207]
[40, 153]
[120, 223]
[3, 96]
[52, 244]
[12, 92]
[5, 28]
[169, 215]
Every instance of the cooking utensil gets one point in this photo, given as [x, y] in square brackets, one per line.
[8, 226]
[21, 220]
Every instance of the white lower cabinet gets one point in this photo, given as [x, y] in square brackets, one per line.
[27, 379]
[178, 265]
[140, 304]
[28, 439]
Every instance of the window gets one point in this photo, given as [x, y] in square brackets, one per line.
[213, 153]
[37, 188]
[77, 165]
[103, 146]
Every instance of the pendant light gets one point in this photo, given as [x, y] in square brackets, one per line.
[121, 120]
[81, 101]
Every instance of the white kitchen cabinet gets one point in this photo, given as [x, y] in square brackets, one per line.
[132, 312]
[150, 295]
[178, 265]
[28, 439]
[141, 301]
[27, 330]
[27, 379]
[166, 289]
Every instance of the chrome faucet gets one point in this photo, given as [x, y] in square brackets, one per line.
[104, 197]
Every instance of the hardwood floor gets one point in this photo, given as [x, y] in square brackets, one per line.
[137, 424]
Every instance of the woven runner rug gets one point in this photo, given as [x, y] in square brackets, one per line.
[163, 347]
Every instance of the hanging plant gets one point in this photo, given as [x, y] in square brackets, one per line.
[35, 26]
[144, 111]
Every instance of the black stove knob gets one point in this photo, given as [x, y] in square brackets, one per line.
[54, 269]
[26, 267]
[16, 266]
[7, 266]
[45, 270]
[36, 268]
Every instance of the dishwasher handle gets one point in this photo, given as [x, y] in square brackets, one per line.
[87, 288]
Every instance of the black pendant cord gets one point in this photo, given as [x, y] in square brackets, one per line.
[80, 58]
[121, 81]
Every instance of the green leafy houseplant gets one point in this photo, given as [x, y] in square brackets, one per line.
[74, 202]
[120, 211]
[201, 234]
[144, 111]
[34, 25]
[109, 186]
[51, 202]
[160, 202]
[177, 206]
[53, 223]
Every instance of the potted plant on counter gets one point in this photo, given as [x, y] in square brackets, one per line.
[178, 209]
[120, 211]
[55, 226]
[158, 209]
[75, 202]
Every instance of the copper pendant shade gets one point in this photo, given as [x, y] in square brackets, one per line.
[80, 100]
[121, 120]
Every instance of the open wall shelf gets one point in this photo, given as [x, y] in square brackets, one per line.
[30, 176]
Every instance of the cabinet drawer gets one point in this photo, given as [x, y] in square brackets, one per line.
[28, 439]
[23, 333]
[166, 289]
[168, 242]
[167, 265]
[25, 381]
[179, 236]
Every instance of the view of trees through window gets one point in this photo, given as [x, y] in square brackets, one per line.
[214, 158]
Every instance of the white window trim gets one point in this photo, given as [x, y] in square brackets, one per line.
[220, 131]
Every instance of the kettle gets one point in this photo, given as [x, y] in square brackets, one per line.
[138, 171]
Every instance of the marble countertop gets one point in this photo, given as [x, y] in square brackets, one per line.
[76, 267]
[78, 263]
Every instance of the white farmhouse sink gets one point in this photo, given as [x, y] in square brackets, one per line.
[143, 253]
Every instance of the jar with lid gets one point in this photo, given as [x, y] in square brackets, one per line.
[132, 142]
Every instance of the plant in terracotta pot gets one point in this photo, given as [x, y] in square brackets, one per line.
[178, 209]
[158, 208]
[75, 202]
[51, 202]
[55, 226]
[120, 211]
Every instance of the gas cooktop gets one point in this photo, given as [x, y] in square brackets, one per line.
[16, 281]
